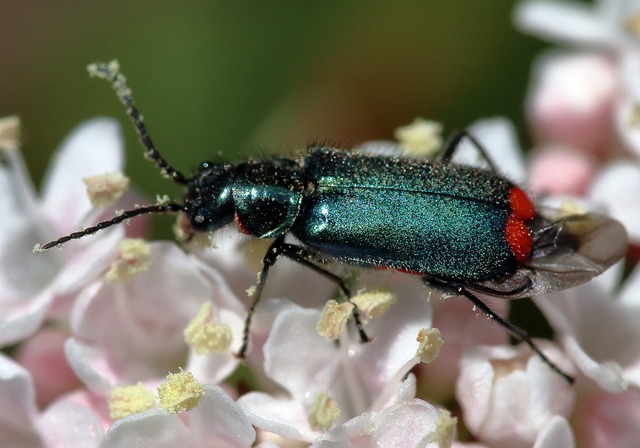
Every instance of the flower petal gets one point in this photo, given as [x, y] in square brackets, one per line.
[600, 334]
[555, 432]
[93, 148]
[220, 421]
[20, 320]
[152, 428]
[284, 417]
[316, 359]
[134, 330]
[563, 21]
[615, 187]
[507, 393]
[17, 406]
[66, 423]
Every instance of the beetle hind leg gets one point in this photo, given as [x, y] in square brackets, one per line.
[513, 330]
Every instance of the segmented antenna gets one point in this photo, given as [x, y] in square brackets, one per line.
[111, 72]
[156, 208]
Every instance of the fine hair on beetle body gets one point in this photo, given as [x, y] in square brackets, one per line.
[463, 230]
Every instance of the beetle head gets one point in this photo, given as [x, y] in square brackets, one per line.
[209, 200]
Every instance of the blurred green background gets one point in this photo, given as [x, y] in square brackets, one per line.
[252, 77]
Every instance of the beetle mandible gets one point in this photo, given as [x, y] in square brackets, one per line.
[464, 230]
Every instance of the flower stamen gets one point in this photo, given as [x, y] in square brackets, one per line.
[333, 319]
[127, 400]
[181, 392]
[206, 336]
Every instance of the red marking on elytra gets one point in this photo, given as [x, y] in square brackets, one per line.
[517, 233]
[521, 206]
[239, 224]
[519, 239]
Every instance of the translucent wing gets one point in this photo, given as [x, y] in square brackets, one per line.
[567, 252]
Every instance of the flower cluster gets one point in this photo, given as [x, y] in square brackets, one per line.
[115, 341]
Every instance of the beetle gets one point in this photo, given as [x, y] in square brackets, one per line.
[463, 230]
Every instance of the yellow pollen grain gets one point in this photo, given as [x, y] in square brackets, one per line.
[127, 400]
[181, 392]
[134, 258]
[431, 342]
[323, 413]
[445, 430]
[569, 208]
[634, 116]
[333, 319]
[206, 336]
[107, 188]
[632, 23]
[374, 303]
[420, 138]
[251, 290]
[9, 133]
[162, 200]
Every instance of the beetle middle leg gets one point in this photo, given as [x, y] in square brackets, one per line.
[513, 330]
[304, 257]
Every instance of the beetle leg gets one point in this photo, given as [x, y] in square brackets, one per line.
[516, 332]
[505, 294]
[453, 143]
[268, 261]
[302, 256]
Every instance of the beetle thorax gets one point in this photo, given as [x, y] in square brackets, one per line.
[264, 197]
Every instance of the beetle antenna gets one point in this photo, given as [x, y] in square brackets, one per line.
[155, 208]
[111, 72]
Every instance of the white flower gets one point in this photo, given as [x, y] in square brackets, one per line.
[611, 28]
[29, 282]
[572, 99]
[611, 24]
[616, 186]
[21, 424]
[216, 422]
[358, 377]
[508, 394]
[125, 332]
[607, 419]
[407, 422]
[599, 330]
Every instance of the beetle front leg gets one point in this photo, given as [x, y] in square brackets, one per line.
[302, 256]
[269, 260]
